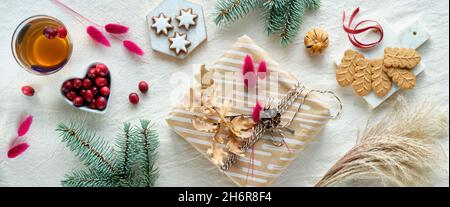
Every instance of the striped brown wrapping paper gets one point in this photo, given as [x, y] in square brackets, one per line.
[269, 161]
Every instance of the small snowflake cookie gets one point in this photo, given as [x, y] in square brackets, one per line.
[186, 18]
[179, 43]
[161, 24]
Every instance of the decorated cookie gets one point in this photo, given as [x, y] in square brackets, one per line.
[186, 18]
[161, 24]
[346, 71]
[179, 43]
[381, 83]
[362, 85]
[406, 58]
[404, 78]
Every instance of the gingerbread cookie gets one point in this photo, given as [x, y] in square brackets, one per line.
[186, 18]
[161, 24]
[179, 43]
[362, 85]
[346, 71]
[401, 58]
[381, 83]
[404, 78]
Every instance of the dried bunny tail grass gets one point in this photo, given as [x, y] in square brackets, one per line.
[401, 150]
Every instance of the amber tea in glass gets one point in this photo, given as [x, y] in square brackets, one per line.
[37, 51]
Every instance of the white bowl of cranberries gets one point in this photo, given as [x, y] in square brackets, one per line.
[90, 93]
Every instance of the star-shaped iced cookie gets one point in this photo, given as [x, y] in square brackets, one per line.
[179, 43]
[162, 24]
[186, 18]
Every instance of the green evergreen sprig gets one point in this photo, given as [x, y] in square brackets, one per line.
[282, 17]
[133, 164]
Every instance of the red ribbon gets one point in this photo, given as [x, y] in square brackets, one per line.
[351, 33]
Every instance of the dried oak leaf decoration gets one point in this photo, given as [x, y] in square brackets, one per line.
[346, 71]
[381, 83]
[401, 58]
[216, 154]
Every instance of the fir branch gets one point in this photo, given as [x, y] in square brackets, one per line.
[88, 179]
[148, 140]
[294, 14]
[311, 4]
[273, 13]
[91, 149]
[229, 11]
[123, 145]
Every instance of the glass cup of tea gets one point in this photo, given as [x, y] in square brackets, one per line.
[41, 45]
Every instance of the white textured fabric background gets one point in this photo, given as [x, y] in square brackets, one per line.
[47, 160]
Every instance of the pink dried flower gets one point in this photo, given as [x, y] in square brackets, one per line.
[248, 70]
[97, 35]
[25, 126]
[132, 47]
[18, 150]
[262, 69]
[116, 28]
[257, 111]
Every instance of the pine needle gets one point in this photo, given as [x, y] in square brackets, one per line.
[229, 11]
[293, 20]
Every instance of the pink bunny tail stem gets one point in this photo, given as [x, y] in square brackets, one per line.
[25, 126]
[97, 35]
[257, 112]
[17, 150]
[262, 69]
[116, 29]
[133, 47]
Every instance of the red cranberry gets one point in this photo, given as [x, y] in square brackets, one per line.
[28, 90]
[102, 70]
[78, 101]
[101, 103]
[93, 104]
[71, 95]
[50, 32]
[100, 81]
[104, 91]
[82, 92]
[77, 83]
[67, 86]
[62, 32]
[88, 96]
[92, 73]
[94, 90]
[134, 98]
[87, 83]
[143, 86]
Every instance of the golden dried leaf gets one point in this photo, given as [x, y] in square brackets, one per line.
[216, 154]
[381, 83]
[242, 127]
[346, 70]
[204, 124]
[362, 85]
[401, 58]
[404, 78]
[235, 147]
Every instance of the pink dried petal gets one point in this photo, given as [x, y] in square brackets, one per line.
[97, 35]
[25, 126]
[248, 70]
[132, 47]
[116, 28]
[262, 69]
[18, 150]
[257, 112]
